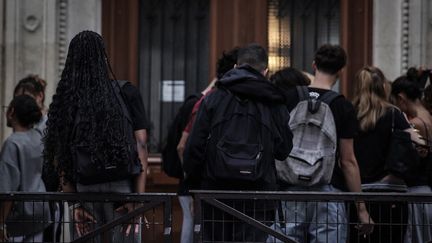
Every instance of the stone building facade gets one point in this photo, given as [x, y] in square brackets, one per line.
[34, 36]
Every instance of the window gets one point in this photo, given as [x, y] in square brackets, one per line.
[296, 28]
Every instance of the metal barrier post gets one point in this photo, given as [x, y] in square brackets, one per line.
[167, 220]
[197, 237]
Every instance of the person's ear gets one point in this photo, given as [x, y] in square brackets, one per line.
[39, 99]
[314, 65]
[265, 72]
[10, 112]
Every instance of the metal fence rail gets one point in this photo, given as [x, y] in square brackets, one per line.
[34, 213]
[232, 216]
[240, 216]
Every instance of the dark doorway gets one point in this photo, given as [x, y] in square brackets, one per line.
[173, 58]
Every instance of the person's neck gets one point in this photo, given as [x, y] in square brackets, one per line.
[19, 128]
[418, 109]
[323, 80]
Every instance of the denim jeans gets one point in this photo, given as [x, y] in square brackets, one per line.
[419, 228]
[36, 238]
[313, 221]
[188, 223]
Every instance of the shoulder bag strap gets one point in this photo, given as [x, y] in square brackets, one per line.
[426, 130]
[303, 93]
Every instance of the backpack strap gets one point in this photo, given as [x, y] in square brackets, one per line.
[303, 93]
[329, 96]
[122, 83]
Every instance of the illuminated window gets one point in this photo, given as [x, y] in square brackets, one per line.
[296, 28]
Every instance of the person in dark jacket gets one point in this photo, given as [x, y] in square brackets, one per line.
[246, 84]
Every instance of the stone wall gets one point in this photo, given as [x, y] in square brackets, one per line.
[402, 35]
[34, 36]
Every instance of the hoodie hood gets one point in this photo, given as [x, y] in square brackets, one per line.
[246, 82]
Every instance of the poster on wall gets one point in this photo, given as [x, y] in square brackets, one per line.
[173, 90]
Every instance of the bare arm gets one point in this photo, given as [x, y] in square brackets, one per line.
[350, 169]
[349, 166]
[182, 144]
[140, 181]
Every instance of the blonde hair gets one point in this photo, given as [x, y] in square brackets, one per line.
[370, 97]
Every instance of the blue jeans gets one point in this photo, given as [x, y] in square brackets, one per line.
[188, 223]
[419, 227]
[314, 221]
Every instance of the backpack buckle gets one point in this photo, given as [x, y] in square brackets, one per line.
[313, 105]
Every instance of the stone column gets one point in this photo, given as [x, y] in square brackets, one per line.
[420, 33]
[387, 41]
[402, 35]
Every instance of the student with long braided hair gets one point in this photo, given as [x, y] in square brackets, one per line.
[87, 119]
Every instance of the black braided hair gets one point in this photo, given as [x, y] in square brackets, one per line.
[84, 90]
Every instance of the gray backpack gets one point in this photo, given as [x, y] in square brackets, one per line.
[313, 156]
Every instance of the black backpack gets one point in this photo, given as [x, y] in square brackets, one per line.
[171, 163]
[91, 168]
[240, 144]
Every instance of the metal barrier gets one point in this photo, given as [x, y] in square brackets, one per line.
[34, 213]
[231, 216]
[237, 216]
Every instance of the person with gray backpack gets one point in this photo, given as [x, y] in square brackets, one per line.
[323, 124]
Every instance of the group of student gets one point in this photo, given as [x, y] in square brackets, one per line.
[242, 108]
[290, 132]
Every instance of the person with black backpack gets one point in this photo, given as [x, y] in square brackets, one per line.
[324, 124]
[240, 128]
[96, 137]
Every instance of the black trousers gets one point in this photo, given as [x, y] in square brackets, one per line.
[390, 223]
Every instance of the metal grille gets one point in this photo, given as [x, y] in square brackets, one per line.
[296, 28]
[174, 49]
[224, 216]
[42, 217]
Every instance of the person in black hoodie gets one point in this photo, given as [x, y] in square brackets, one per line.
[240, 129]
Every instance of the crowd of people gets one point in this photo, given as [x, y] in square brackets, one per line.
[247, 130]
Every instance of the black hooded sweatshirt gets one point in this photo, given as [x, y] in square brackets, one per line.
[242, 82]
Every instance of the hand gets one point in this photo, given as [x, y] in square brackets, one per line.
[366, 225]
[3, 235]
[127, 208]
[82, 220]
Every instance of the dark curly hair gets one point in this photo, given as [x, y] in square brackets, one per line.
[25, 109]
[330, 58]
[226, 62]
[288, 78]
[84, 109]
